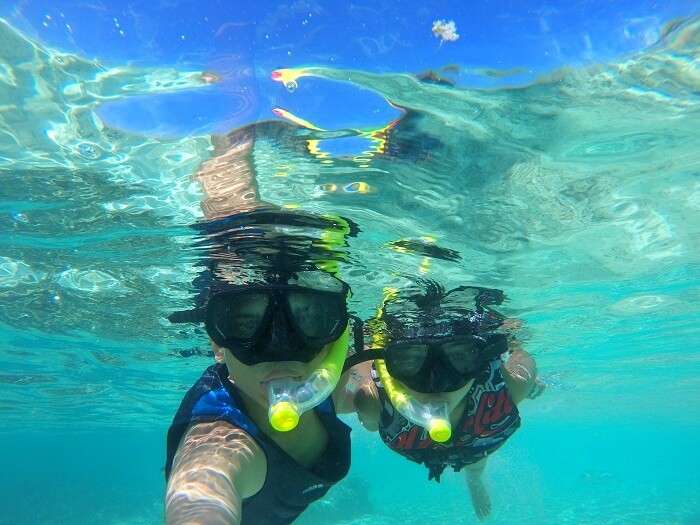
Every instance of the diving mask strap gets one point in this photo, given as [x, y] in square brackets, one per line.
[195, 315]
[362, 357]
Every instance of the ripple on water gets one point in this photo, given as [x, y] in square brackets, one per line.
[90, 151]
[25, 379]
[90, 281]
[618, 146]
[14, 273]
[640, 304]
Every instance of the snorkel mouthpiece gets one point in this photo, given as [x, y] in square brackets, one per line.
[289, 399]
[284, 415]
[434, 416]
[439, 430]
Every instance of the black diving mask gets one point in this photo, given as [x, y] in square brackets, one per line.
[273, 322]
[445, 364]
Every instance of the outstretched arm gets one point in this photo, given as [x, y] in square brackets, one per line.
[215, 467]
[228, 179]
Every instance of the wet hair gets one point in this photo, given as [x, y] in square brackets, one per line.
[428, 309]
[267, 245]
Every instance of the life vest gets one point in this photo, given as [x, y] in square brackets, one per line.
[490, 417]
[289, 487]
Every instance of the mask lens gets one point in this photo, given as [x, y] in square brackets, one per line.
[433, 368]
[317, 315]
[275, 323]
[236, 316]
[462, 355]
[405, 361]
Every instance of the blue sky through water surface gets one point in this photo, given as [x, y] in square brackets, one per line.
[245, 41]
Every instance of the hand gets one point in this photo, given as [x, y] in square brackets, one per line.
[480, 497]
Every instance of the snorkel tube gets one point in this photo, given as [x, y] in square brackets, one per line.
[434, 416]
[289, 399]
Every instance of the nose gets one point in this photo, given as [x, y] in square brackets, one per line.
[279, 340]
[441, 378]
[437, 379]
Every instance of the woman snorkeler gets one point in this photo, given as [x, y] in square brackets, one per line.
[256, 439]
[434, 382]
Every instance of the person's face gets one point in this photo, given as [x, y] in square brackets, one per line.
[252, 379]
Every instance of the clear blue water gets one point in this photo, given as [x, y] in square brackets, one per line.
[573, 184]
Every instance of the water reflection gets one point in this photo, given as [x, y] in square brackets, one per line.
[576, 194]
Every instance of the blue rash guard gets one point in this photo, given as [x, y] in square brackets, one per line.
[289, 487]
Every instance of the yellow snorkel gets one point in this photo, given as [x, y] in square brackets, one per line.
[434, 416]
[289, 399]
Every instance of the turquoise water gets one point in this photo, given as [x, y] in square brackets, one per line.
[576, 192]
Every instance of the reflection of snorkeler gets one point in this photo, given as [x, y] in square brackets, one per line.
[437, 390]
[256, 439]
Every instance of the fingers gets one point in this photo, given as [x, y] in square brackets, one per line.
[480, 499]
[483, 512]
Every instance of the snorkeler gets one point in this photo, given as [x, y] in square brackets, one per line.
[433, 382]
[256, 439]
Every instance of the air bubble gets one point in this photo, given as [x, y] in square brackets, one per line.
[291, 85]
[89, 151]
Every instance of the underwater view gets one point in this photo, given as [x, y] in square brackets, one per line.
[384, 241]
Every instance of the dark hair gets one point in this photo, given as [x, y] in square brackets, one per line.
[430, 308]
[264, 245]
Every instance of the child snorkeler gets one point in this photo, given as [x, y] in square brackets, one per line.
[256, 439]
[436, 387]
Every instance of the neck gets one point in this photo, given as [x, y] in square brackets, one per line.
[256, 411]
[457, 411]
[304, 444]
